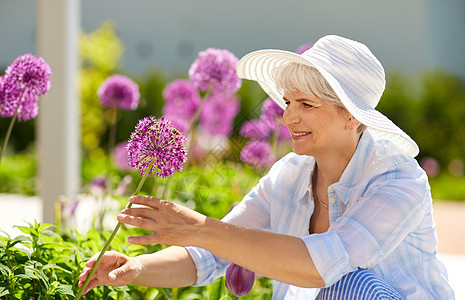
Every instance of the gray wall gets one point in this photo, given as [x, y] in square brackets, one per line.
[405, 35]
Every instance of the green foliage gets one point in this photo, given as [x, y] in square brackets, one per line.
[43, 264]
[18, 173]
[431, 111]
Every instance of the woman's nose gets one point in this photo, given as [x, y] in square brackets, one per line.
[290, 116]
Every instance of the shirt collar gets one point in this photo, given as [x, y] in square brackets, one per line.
[345, 187]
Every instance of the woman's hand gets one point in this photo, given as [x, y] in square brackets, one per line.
[171, 224]
[115, 269]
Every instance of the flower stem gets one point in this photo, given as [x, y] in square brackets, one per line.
[111, 146]
[10, 127]
[193, 124]
[107, 244]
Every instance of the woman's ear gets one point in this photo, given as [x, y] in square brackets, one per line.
[352, 123]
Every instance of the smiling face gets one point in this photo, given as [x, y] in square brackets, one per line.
[317, 127]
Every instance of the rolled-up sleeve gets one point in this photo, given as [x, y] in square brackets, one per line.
[209, 266]
[370, 228]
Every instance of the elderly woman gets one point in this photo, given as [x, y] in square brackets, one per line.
[348, 214]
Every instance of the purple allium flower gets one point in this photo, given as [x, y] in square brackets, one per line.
[256, 129]
[182, 99]
[272, 114]
[97, 186]
[30, 73]
[218, 114]
[120, 157]
[215, 70]
[302, 48]
[283, 134]
[257, 153]
[119, 91]
[272, 109]
[179, 123]
[160, 141]
[25, 79]
[10, 95]
[239, 280]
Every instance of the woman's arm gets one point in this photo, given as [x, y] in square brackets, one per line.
[280, 257]
[171, 267]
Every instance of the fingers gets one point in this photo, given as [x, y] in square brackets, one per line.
[141, 212]
[92, 260]
[144, 240]
[141, 222]
[149, 201]
[93, 283]
[118, 273]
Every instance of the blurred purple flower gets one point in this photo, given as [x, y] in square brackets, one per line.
[272, 109]
[70, 208]
[257, 153]
[215, 70]
[179, 123]
[160, 141]
[430, 165]
[218, 114]
[120, 156]
[239, 280]
[283, 134]
[119, 91]
[25, 79]
[272, 114]
[302, 48]
[97, 186]
[256, 129]
[30, 73]
[122, 186]
[182, 99]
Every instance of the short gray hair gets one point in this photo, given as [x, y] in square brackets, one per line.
[307, 79]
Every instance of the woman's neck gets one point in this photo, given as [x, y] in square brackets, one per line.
[331, 165]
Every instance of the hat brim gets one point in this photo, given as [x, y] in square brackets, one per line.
[259, 65]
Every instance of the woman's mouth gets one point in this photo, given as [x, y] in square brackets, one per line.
[300, 134]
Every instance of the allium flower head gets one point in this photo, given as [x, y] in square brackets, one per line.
[257, 153]
[256, 129]
[119, 91]
[10, 94]
[239, 280]
[283, 134]
[215, 70]
[181, 99]
[218, 114]
[272, 109]
[160, 141]
[30, 73]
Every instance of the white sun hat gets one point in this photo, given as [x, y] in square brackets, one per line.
[349, 67]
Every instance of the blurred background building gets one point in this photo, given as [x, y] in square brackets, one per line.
[407, 36]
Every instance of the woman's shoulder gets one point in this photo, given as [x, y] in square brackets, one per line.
[388, 162]
[293, 161]
[291, 172]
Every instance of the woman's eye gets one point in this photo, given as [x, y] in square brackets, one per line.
[287, 103]
[307, 105]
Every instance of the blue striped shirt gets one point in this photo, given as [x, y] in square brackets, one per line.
[380, 214]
